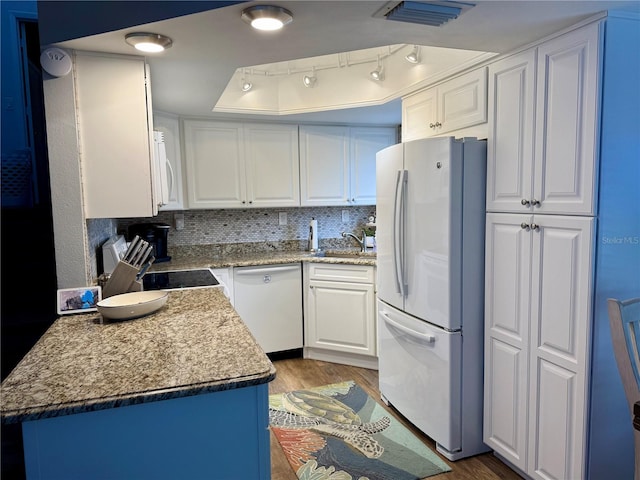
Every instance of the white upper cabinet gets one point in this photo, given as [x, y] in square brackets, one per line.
[235, 165]
[114, 124]
[214, 160]
[169, 125]
[272, 165]
[324, 165]
[511, 130]
[338, 164]
[566, 123]
[455, 104]
[365, 143]
[542, 149]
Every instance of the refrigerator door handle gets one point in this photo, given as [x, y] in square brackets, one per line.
[424, 338]
[398, 232]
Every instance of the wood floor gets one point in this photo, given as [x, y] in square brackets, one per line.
[297, 373]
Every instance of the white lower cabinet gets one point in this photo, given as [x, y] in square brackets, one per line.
[537, 311]
[340, 316]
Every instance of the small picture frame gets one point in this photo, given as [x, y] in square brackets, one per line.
[78, 300]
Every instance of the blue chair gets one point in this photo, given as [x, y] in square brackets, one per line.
[624, 318]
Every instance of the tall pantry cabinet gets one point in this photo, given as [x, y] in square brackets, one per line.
[541, 239]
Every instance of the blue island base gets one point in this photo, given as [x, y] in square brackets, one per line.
[222, 435]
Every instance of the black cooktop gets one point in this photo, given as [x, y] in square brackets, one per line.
[179, 279]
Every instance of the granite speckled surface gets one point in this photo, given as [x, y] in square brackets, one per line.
[195, 344]
[215, 256]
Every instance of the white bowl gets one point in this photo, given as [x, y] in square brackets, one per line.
[132, 305]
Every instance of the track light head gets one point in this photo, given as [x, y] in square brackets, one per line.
[309, 81]
[414, 55]
[246, 85]
[378, 73]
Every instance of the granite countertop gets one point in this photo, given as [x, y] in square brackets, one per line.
[195, 344]
[202, 257]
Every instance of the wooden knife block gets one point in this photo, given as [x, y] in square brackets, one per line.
[122, 280]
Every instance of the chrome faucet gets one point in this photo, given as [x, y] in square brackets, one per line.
[361, 241]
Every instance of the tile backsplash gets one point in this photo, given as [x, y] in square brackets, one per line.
[207, 227]
[204, 227]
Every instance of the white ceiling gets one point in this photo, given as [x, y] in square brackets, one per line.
[189, 78]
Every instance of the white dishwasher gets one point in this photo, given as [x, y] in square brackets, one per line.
[269, 300]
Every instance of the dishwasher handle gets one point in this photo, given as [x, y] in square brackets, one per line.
[265, 270]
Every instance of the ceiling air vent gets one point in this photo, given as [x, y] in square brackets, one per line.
[424, 13]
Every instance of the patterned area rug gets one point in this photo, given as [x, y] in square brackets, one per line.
[338, 432]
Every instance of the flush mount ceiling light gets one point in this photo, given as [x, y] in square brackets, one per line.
[148, 42]
[267, 17]
[310, 80]
[378, 73]
[414, 55]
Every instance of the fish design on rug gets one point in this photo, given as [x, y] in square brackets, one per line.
[314, 411]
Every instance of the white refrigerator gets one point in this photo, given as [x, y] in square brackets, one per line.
[430, 277]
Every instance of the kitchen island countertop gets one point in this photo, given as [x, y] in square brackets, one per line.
[195, 344]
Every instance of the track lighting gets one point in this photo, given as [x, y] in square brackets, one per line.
[267, 17]
[148, 42]
[414, 55]
[378, 73]
[310, 80]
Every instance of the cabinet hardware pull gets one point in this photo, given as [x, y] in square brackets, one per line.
[431, 125]
[525, 202]
[438, 124]
[535, 226]
[524, 226]
[535, 203]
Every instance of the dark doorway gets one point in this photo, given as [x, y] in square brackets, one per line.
[28, 274]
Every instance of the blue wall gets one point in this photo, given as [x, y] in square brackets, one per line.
[618, 245]
[13, 123]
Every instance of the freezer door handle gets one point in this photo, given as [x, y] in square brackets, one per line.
[398, 232]
[424, 337]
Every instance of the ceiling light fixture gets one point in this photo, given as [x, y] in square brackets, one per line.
[378, 73]
[267, 17]
[148, 42]
[414, 55]
[310, 80]
[245, 83]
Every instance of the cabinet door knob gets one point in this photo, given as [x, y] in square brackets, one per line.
[535, 203]
[432, 125]
[524, 226]
[243, 202]
[250, 202]
[535, 226]
[525, 202]
[438, 124]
